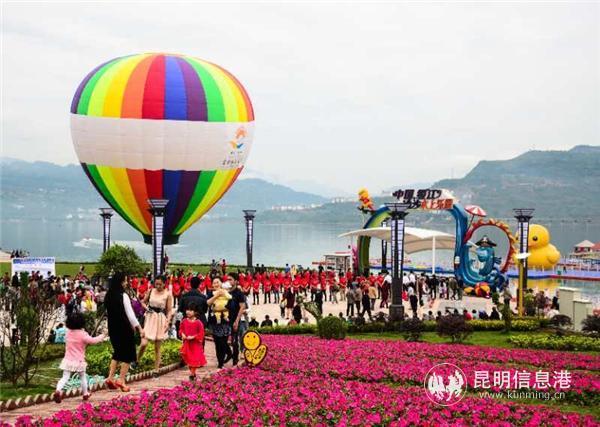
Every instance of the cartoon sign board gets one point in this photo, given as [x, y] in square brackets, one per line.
[254, 351]
[427, 199]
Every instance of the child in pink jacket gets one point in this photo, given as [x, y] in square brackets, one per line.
[74, 361]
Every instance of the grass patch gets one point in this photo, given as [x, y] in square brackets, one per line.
[44, 381]
[72, 268]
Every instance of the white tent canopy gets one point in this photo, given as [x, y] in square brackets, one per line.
[415, 239]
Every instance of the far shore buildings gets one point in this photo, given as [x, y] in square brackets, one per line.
[586, 250]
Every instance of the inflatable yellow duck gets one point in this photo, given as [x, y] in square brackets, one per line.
[542, 253]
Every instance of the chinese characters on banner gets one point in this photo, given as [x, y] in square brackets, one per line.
[507, 380]
[428, 199]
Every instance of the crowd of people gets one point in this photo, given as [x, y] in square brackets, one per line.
[185, 305]
[18, 253]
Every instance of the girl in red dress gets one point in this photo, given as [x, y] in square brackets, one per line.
[192, 334]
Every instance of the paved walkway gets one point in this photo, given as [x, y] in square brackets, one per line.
[259, 311]
[169, 380]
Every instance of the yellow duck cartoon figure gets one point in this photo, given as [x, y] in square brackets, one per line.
[543, 254]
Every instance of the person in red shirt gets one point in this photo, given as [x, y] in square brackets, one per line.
[176, 291]
[143, 288]
[205, 284]
[267, 289]
[296, 284]
[349, 276]
[323, 283]
[333, 288]
[379, 282]
[287, 281]
[247, 284]
[256, 289]
[372, 279]
[343, 285]
[64, 297]
[274, 286]
[314, 285]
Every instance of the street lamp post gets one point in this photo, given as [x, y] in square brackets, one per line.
[249, 215]
[384, 247]
[523, 216]
[106, 214]
[398, 212]
[157, 209]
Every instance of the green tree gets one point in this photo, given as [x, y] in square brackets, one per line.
[119, 258]
[24, 329]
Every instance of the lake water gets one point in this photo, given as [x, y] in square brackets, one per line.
[274, 244]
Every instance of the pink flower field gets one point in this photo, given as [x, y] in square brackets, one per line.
[313, 382]
[404, 362]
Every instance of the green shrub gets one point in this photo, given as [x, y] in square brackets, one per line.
[412, 329]
[455, 327]
[373, 327]
[332, 327]
[51, 351]
[591, 324]
[98, 357]
[559, 323]
[302, 329]
[524, 325]
[554, 342]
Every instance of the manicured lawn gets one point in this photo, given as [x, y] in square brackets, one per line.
[44, 381]
[62, 268]
[72, 268]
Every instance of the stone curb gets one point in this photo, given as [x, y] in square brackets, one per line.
[23, 402]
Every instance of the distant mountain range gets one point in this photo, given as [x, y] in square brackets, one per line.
[41, 190]
[558, 184]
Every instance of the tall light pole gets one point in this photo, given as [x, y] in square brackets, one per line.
[523, 216]
[249, 215]
[384, 247]
[398, 212]
[157, 209]
[106, 214]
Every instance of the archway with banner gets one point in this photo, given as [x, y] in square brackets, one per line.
[492, 270]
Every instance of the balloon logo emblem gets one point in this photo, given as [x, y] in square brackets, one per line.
[161, 126]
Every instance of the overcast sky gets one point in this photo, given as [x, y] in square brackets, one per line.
[347, 95]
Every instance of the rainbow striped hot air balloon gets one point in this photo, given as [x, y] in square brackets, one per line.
[161, 126]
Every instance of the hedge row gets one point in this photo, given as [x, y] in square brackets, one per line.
[99, 356]
[521, 325]
[554, 342]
